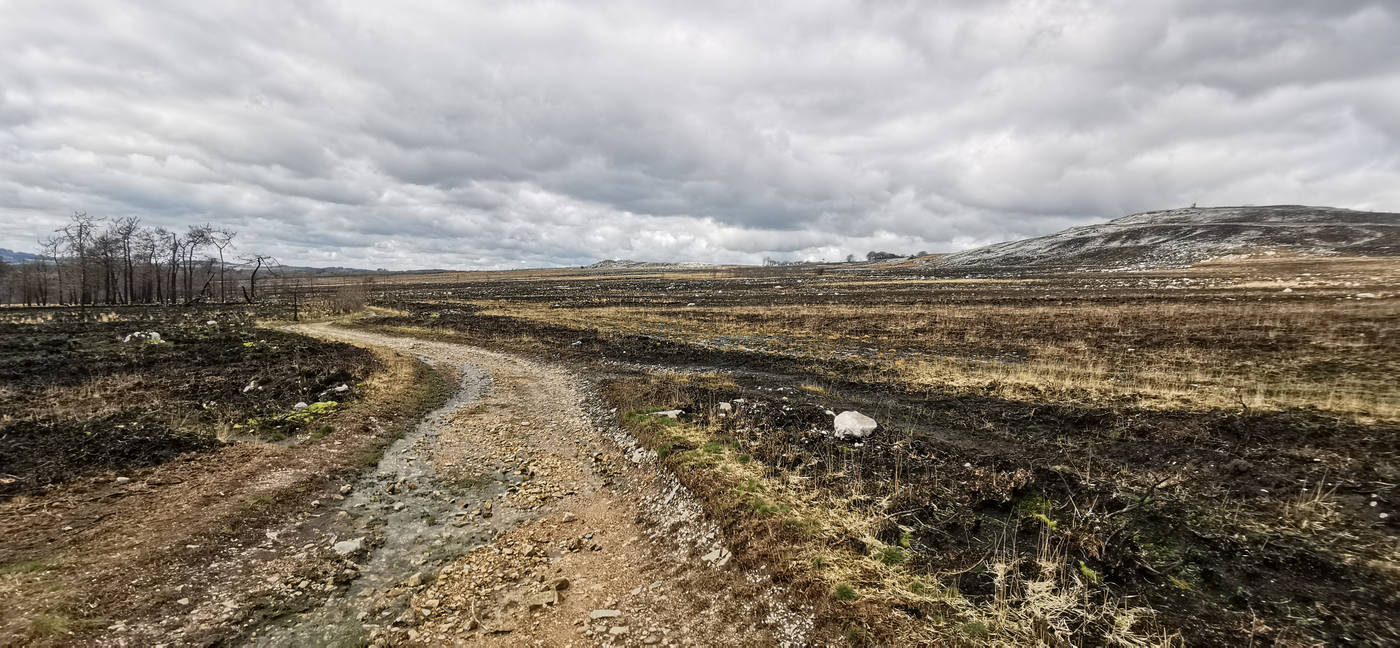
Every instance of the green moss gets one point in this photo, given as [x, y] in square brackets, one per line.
[1090, 574]
[48, 625]
[844, 592]
[974, 629]
[891, 556]
[27, 567]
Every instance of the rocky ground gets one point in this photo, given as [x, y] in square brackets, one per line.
[576, 535]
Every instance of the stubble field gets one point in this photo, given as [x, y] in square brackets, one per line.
[1204, 455]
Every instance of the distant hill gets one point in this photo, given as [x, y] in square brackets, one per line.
[628, 264]
[11, 256]
[1181, 237]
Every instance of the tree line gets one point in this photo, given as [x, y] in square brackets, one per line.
[93, 261]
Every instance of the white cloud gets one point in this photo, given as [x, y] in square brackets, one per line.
[543, 133]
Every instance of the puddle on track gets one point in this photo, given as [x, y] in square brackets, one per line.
[420, 530]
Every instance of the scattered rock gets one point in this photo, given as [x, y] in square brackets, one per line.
[854, 424]
[348, 547]
[543, 599]
[718, 557]
[604, 614]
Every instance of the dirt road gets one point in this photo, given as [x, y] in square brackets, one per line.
[518, 515]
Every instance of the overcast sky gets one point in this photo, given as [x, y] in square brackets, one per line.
[527, 134]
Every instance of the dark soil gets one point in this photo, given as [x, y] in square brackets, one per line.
[76, 400]
[1192, 512]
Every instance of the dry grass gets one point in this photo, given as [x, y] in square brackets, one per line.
[828, 544]
[1154, 383]
[1335, 356]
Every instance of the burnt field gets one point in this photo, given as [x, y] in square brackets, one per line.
[1204, 455]
[85, 393]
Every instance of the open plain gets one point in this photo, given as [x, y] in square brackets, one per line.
[1202, 456]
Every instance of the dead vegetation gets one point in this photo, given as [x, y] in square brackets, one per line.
[167, 551]
[1074, 459]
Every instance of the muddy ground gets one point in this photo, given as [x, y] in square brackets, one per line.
[550, 505]
[1206, 514]
[83, 393]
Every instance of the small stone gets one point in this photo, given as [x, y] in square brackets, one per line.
[854, 424]
[617, 631]
[604, 614]
[543, 599]
[123, 480]
[348, 547]
[345, 490]
[568, 517]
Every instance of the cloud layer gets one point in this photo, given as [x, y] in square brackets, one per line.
[489, 135]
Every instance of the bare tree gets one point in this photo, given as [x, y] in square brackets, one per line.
[172, 240]
[78, 238]
[222, 238]
[196, 238]
[259, 262]
[127, 230]
[49, 247]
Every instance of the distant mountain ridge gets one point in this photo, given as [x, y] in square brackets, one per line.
[1181, 237]
[628, 264]
[11, 256]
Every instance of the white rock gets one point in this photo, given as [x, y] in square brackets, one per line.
[148, 336]
[604, 614]
[347, 547]
[670, 414]
[718, 557]
[342, 388]
[724, 407]
[854, 424]
[301, 405]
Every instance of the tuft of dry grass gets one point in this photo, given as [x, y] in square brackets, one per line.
[828, 545]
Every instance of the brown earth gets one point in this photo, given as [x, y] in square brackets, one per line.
[178, 552]
[589, 526]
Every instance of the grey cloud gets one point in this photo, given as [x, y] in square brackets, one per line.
[541, 133]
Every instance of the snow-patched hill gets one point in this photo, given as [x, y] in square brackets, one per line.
[1180, 237]
[628, 264]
